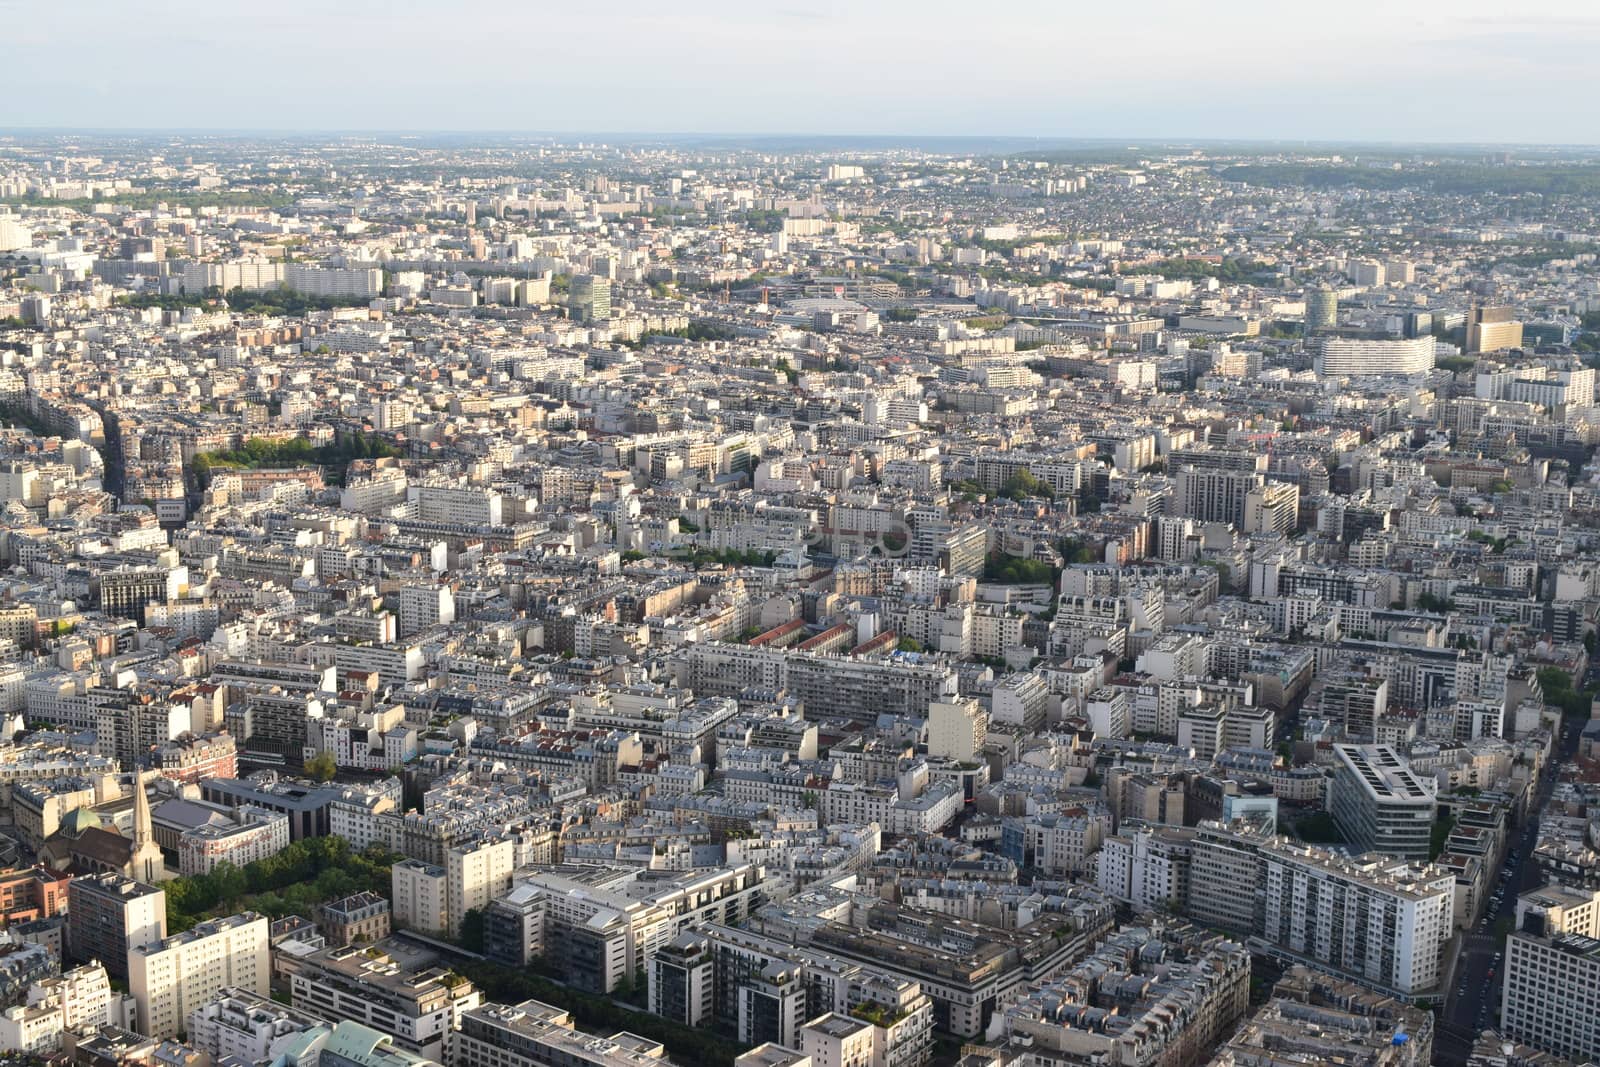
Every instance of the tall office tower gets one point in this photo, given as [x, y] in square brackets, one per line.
[173, 976]
[107, 915]
[590, 298]
[1322, 309]
[1489, 329]
[681, 980]
[1551, 988]
[1379, 804]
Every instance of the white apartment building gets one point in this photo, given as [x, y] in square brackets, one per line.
[1379, 804]
[956, 729]
[1352, 357]
[1551, 987]
[171, 977]
[421, 896]
[244, 1027]
[77, 998]
[1382, 922]
[476, 874]
[425, 606]
[254, 834]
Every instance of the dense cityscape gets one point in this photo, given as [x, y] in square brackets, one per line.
[557, 601]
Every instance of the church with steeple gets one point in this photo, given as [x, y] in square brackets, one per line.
[88, 843]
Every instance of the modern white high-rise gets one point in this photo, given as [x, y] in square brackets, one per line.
[169, 978]
[1379, 804]
[1551, 988]
[423, 606]
[421, 896]
[1385, 923]
[1355, 357]
[1209, 494]
[475, 874]
[14, 234]
[956, 729]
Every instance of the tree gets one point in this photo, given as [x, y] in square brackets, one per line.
[472, 930]
[1437, 605]
[322, 767]
[1023, 484]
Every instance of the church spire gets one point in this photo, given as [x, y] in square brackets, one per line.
[142, 830]
[144, 859]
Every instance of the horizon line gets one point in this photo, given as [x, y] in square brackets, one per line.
[1132, 142]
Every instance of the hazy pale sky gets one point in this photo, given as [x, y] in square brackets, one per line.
[1438, 70]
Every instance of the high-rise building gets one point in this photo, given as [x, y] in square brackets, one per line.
[107, 915]
[1490, 329]
[1273, 507]
[421, 896]
[590, 298]
[956, 729]
[1551, 988]
[1322, 309]
[1379, 804]
[681, 980]
[1384, 923]
[1368, 272]
[1212, 495]
[476, 873]
[1359, 357]
[513, 927]
[173, 976]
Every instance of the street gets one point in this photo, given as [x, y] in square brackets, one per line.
[1473, 994]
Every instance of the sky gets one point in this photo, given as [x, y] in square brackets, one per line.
[1402, 70]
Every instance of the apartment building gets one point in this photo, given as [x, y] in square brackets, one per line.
[421, 893]
[475, 874]
[1550, 992]
[1379, 804]
[247, 1027]
[610, 922]
[681, 980]
[80, 997]
[171, 977]
[108, 915]
[1380, 921]
[1177, 989]
[534, 1034]
[388, 986]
